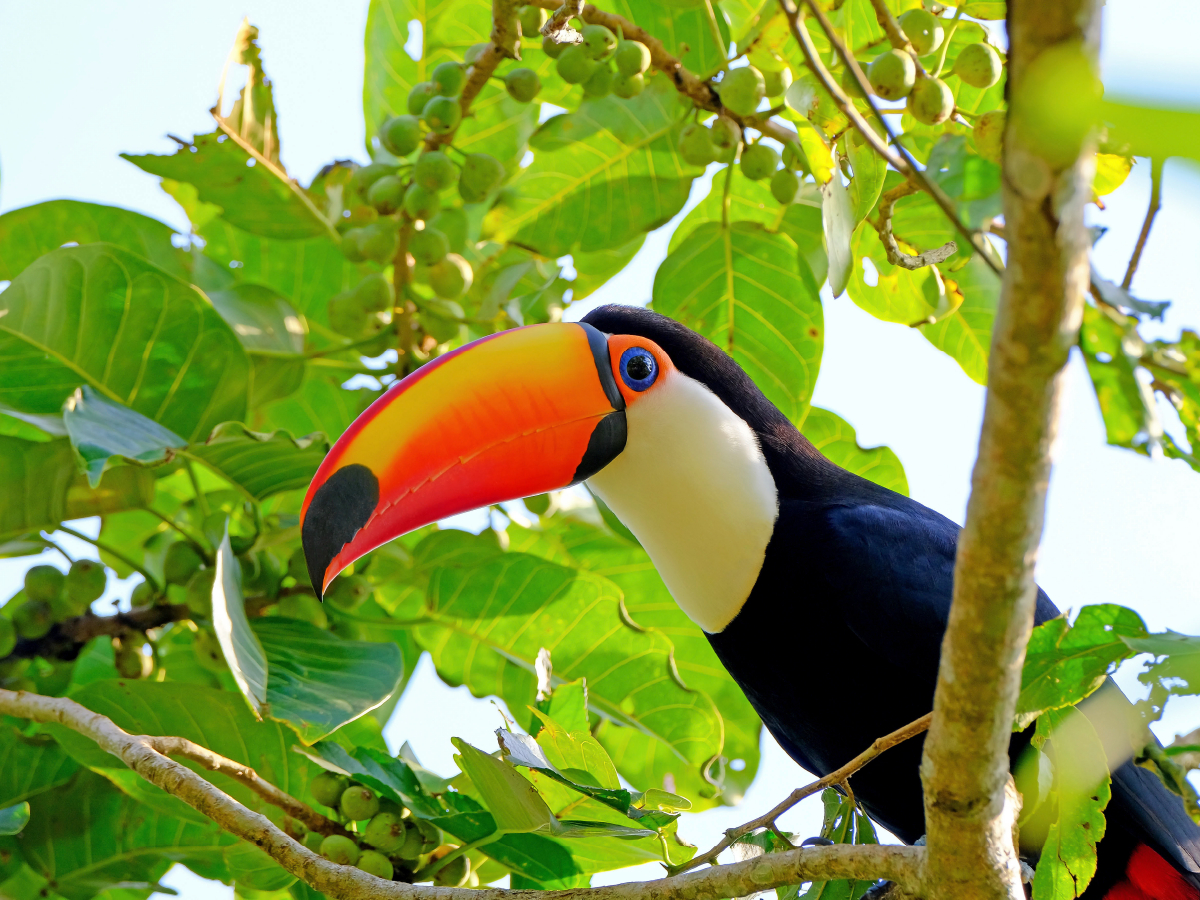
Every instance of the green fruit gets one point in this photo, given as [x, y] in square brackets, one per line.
[989, 135]
[421, 94]
[312, 841]
[931, 101]
[143, 595]
[181, 563]
[452, 222]
[453, 873]
[628, 86]
[522, 84]
[632, 58]
[777, 81]
[892, 74]
[532, 19]
[129, 660]
[922, 29]
[428, 246]
[364, 177]
[400, 135]
[695, 145]
[348, 317]
[303, 607]
[207, 650]
[469, 195]
[8, 637]
[978, 65]
[420, 202]
[375, 293]
[376, 864]
[442, 114]
[435, 171]
[44, 583]
[784, 185]
[742, 90]
[574, 66]
[449, 78]
[340, 849]
[33, 619]
[850, 84]
[598, 41]
[385, 832]
[600, 82]
[451, 277]
[380, 242]
[86, 581]
[351, 245]
[327, 788]
[553, 48]
[441, 319]
[199, 592]
[359, 802]
[482, 172]
[759, 161]
[386, 194]
[724, 134]
[348, 592]
[414, 841]
[475, 53]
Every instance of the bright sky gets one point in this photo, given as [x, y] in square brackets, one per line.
[85, 81]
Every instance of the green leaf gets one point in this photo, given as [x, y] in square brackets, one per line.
[261, 464]
[1064, 663]
[965, 335]
[985, 9]
[87, 836]
[869, 171]
[802, 223]
[102, 429]
[749, 201]
[40, 486]
[317, 682]
[250, 196]
[835, 438]
[320, 405]
[744, 289]
[13, 819]
[512, 800]
[391, 778]
[594, 269]
[684, 28]
[1179, 670]
[245, 655]
[493, 616]
[30, 765]
[100, 315]
[263, 321]
[33, 231]
[1120, 395]
[838, 217]
[252, 868]
[1083, 785]
[1156, 132]
[601, 175]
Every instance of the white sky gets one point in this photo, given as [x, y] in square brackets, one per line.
[85, 81]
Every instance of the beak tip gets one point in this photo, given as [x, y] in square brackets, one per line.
[338, 510]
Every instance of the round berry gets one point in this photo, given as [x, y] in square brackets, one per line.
[400, 135]
[87, 579]
[923, 30]
[742, 90]
[784, 185]
[931, 101]
[598, 41]
[340, 849]
[695, 145]
[327, 788]
[385, 832]
[628, 86]
[759, 161]
[989, 135]
[435, 171]
[632, 58]
[428, 246]
[420, 202]
[374, 863]
[978, 65]
[522, 84]
[574, 66]
[421, 94]
[448, 78]
[44, 583]
[442, 114]
[892, 74]
[532, 19]
[359, 802]
[451, 277]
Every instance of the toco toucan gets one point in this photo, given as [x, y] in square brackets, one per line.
[774, 551]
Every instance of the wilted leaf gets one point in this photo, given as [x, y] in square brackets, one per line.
[838, 217]
[835, 438]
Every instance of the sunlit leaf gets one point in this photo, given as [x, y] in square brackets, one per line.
[261, 464]
[245, 655]
[835, 438]
[838, 218]
[13, 819]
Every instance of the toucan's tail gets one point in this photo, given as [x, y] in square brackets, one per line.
[1151, 848]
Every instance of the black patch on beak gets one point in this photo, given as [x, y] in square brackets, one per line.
[605, 444]
[339, 508]
[599, 344]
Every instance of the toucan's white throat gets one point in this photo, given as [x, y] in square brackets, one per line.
[693, 486]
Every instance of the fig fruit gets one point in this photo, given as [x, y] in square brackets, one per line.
[632, 58]
[452, 222]
[742, 90]
[784, 185]
[33, 618]
[348, 592]
[442, 114]
[978, 65]
[794, 158]
[375, 293]
[327, 788]
[347, 316]
[451, 277]
[351, 245]
[532, 19]
[385, 832]
[207, 650]
[598, 41]
[129, 658]
[340, 849]
[8, 637]
[522, 84]
[989, 135]
[481, 172]
[199, 592]
[759, 161]
[180, 564]
[600, 82]
[428, 246]
[453, 873]
[379, 241]
[448, 78]
[420, 202]
[374, 863]
[422, 92]
[86, 581]
[777, 81]
[553, 48]
[574, 66]
[695, 145]
[931, 101]
[435, 171]
[386, 194]
[892, 74]
[365, 176]
[725, 138]
[44, 583]
[400, 135]
[359, 802]
[628, 86]
[923, 30]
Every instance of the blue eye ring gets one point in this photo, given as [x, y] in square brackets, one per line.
[638, 368]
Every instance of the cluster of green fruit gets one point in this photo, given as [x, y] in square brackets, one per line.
[383, 835]
[700, 145]
[49, 596]
[587, 62]
[893, 74]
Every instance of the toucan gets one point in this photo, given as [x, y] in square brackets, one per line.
[787, 562]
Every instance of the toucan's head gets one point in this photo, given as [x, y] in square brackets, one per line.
[661, 423]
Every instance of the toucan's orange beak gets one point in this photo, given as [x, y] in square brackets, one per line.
[515, 414]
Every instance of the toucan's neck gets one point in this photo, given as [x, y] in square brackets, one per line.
[695, 488]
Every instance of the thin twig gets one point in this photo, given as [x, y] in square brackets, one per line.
[115, 554]
[896, 256]
[1156, 170]
[838, 776]
[937, 71]
[895, 34]
[894, 863]
[204, 551]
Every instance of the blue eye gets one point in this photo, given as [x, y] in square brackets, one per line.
[638, 368]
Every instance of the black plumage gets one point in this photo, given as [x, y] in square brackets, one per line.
[838, 642]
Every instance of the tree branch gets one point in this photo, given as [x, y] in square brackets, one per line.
[838, 776]
[66, 638]
[965, 765]
[894, 863]
[896, 256]
[1156, 171]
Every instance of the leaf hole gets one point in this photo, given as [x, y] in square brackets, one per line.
[1103, 357]
[870, 273]
[415, 45]
[236, 264]
[251, 163]
[738, 765]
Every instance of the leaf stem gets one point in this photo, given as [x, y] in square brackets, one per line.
[53, 546]
[1156, 172]
[115, 554]
[200, 547]
[437, 865]
[949, 37]
[201, 500]
[725, 196]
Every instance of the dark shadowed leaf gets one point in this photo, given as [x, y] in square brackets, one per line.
[261, 464]
[835, 438]
[102, 429]
[30, 765]
[100, 315]
[263, 321]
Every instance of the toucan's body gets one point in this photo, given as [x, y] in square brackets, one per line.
[824, 595]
